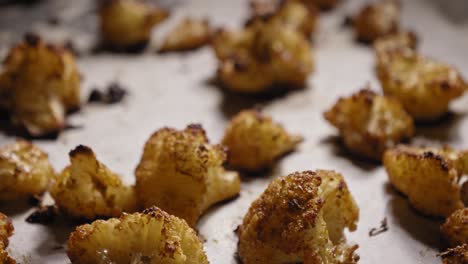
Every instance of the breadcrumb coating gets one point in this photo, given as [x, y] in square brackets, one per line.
[188, 35]
[6, 230]
[255, 141]
[457, 255]
[455, 228]
[300, 218]
[370, 123]
[152, 237]
[428, 176]
[182, 173]
[25, 171]
[39, 84]
[88, 189]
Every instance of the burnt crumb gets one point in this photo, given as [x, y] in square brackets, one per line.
[43, 215]
[379, 230]
[32, 38]
[347, 21]
[114, 94]
[35, 200]
[69, 126]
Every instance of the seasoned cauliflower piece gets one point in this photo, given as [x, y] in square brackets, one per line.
[455, 228]
[300, 218]
[377, 20]
[6, 230]
[88, 189]
[182, 173]
[370, 123]
[25, 171]
[399, 41]
[297, 14]
[127, 24]
[263, 55]
[424, 86]
[255, 141]
[151, 237]
[428, 176]
[188, 35]
[457, 255]
[39, 84]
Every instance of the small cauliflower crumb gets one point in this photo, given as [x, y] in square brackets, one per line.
[6, 230]
[39, 84]
[151, 237]
[457, 255]
[300, 218]
[370, 123]
[182, 173]
[127, 24]
[25, 171]
[255, 141]
[188, 35]
[428, 176]
[455, 228]
[88, 189]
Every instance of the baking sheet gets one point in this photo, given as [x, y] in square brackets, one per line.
[177, 89]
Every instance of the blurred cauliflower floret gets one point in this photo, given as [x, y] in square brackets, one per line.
[39, 84]
[255, 141]
[189, 34]
[377, 20]
[88, 189]
[151, 237]
[296, 14]
[370, 123]
[428, 176]
[457, 255]
[300, 218]
[398, 41]
[25, 171]
[424, 86]
[127, 24]
[6, 230]
[182, 173]
[263, 55]
[455, 228]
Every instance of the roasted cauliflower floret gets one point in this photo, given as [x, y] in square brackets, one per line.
[455, 228]
[428, 176]
[424, 86]
[300, 218]
[127, 24]
[394, 42]
[255, 141]
[6, 230]
[182, 173]
[457, 255]
[39, 84]
[188, 35]
[263, 55]
[296, 14]
[88, 189]
[369, 123]
[377, 20]
[153, 236]
[25, 171]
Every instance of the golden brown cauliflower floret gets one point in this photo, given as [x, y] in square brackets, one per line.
[6, 230]
[127, 24]
[398, 41]
[457, 255]
[39, 84]
[297, 14]
[25, 171]
[428, 176]
[377, 20]
[188, 35]
[455, 228]
[263, 55]
[152, 237]
[182, 173]
[424, 86]
[88, 189]
[255, 141]
[370, 123]
[300, 218]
